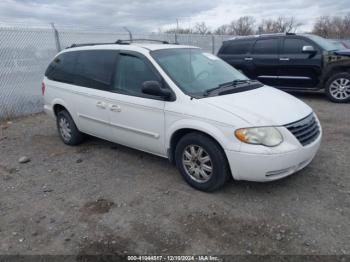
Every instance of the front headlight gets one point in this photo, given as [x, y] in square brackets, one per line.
[267, 136]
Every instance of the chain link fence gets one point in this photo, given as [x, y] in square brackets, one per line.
[25, 52]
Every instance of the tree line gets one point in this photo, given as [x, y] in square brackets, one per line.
[326, 26]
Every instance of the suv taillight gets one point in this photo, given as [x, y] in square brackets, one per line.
[43, 87]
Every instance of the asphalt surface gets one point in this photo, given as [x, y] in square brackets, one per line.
[104, 198]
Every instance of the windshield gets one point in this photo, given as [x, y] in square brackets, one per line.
[326, 44]
[195, 71]
[339, 45]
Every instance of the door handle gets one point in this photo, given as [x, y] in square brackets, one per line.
[248, 59]
[115, 108]
[284, 59]
[101, 104]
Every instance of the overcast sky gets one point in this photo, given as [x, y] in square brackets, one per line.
[151, 15]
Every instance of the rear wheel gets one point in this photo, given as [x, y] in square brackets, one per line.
[67, 129]
[338, 88]
[201, 162]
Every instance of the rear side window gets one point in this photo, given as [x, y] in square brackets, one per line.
[294, 46]
[237, 47]
[62, 68]
[95, 68]
[266, 46]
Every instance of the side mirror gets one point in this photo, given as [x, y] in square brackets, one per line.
[309, 49]
[154, 88]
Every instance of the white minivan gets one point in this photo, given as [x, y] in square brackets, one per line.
[183, 104]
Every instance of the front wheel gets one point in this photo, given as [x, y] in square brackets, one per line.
[338, 88]
[201, 162]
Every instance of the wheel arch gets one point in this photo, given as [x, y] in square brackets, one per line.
[331, 71]
[59, 105]
[179, 130]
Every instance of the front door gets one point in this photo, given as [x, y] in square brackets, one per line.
[137, 120]
[298, 69]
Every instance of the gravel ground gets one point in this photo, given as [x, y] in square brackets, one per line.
[101, 197]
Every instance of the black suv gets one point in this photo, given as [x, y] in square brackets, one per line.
[292, 62]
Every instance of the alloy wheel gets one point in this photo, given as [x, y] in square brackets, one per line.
[340, 88]
[65, 129]
[197, 163]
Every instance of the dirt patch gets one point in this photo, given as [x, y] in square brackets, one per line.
[239, 234]
[113, 248]
[100, 206]
[6, 173]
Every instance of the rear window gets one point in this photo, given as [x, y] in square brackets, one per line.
[95, 68]
[266, 46]
[90, 68]
[62, 68]
[237, 47]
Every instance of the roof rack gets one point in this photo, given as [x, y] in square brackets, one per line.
[119, 42]
[272, 34]
[259, 35]
[88, 44]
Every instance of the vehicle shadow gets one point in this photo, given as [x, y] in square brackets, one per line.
[320, 96]
[308, 95]
[159, 165]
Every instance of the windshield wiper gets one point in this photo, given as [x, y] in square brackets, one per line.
[233, 83]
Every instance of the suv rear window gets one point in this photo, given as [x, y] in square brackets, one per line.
[237, 47]
[62, 68]
[266, 46]
[95, 68]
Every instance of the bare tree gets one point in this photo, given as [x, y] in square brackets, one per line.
[201, 28]
[242, 26]
[222, 30]
[323, 26]
[333, 27]
[280, 25]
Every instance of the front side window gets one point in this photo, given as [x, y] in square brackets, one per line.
[294, 46]
[62, 67]
[95, 69]
[131, 72]
[326, 44]
[195, 71]
[266, 46]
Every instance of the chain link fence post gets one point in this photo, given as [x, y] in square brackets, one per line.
[213, 44]
[57, 38]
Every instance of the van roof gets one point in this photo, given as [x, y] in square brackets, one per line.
[131, 46]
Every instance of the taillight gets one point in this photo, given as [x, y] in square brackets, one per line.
[43, 87]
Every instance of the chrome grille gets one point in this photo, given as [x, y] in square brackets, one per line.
[305, 130]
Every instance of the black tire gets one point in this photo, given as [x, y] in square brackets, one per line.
[220, 170]
[76, 137]
[336, 97]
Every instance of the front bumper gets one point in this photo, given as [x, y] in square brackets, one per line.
[269, 167]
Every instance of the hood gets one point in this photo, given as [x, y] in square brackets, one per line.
[265, 106]
[343, 52]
